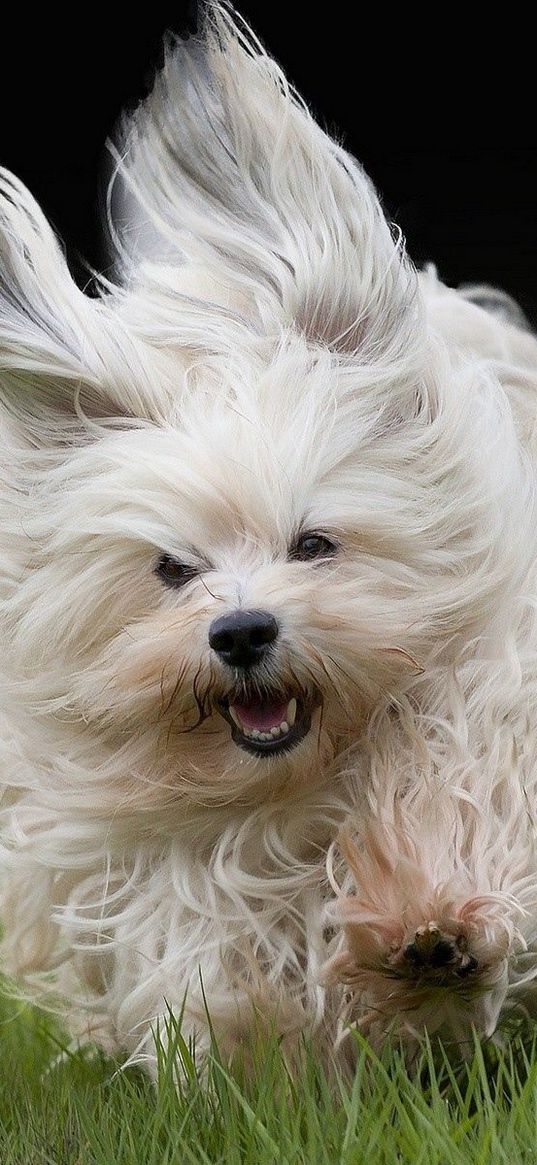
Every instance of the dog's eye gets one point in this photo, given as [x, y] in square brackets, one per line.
[173, 572]
[310, 546]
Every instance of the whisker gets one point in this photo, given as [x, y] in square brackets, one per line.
[208, 589]
[179, 681]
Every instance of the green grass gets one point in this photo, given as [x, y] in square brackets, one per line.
[82, 1111]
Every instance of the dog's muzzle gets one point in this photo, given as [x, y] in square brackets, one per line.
[262, 722]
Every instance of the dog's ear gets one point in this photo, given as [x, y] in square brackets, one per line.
[224, 162]
[61, 363]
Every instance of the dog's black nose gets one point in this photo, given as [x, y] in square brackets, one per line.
[242, 638]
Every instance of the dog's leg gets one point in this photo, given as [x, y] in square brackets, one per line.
[417, 951]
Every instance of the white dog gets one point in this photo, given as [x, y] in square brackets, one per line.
[268, 541]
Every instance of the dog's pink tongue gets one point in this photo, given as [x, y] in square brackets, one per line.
[262, 716]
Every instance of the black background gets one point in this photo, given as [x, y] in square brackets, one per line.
[455, 169]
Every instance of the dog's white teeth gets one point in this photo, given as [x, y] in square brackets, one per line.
[235, 718]
[291, 714]
[277, 730]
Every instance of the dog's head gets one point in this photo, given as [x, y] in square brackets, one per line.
[241, 501]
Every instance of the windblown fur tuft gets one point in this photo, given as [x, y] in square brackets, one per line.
[255, 186]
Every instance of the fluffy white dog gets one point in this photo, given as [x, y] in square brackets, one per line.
[268, 602]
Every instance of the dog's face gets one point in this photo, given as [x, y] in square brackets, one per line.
[241, 576]
[242, 505]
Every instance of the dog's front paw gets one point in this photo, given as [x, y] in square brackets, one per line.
[433, 953]
[415, 955]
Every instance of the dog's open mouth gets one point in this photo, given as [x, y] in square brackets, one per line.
[268, 725]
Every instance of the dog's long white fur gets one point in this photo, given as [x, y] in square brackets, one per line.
[266, 362]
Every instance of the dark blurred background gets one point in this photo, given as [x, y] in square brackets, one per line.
[461, 182]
